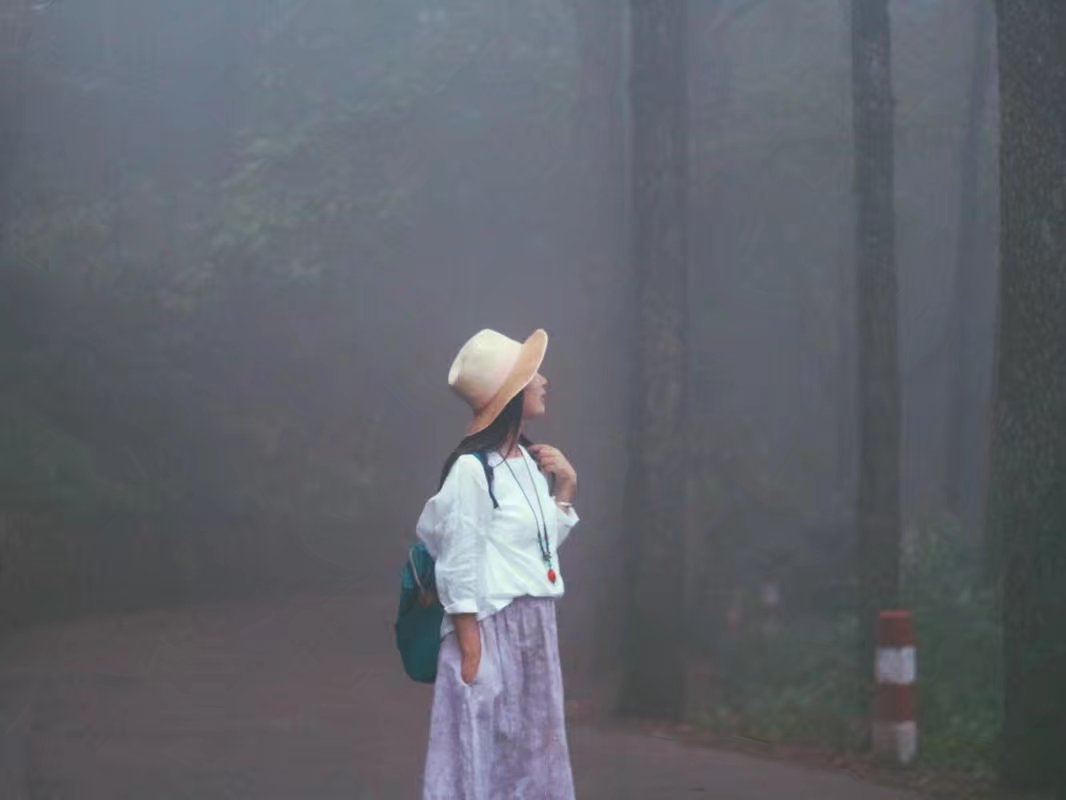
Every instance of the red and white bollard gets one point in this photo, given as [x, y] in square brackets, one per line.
[895, 729]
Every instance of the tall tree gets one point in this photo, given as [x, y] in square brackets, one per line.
[1027, 508]
[959, 410]
[14, 36]
[877, 505]
[653, 541]
[710, 549]
[599, 245]
[846, 371]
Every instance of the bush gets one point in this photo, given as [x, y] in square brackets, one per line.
[42, 468]
[794, 686]
[798, 684]
[960, 656]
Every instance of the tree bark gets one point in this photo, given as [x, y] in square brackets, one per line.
[600, 246]
[877, 506]
[847, 388]
[653, 541]
[708, 580]
[960, 411]
[1027, 506]
[15, 17]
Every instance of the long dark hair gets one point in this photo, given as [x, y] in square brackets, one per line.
[502, 430]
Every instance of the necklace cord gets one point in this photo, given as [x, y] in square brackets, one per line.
[545, 547]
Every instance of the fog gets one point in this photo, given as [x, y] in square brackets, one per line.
[241, 243]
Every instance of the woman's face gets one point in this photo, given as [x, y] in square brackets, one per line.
[533, 401]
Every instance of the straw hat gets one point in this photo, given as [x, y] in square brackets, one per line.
[491, 369]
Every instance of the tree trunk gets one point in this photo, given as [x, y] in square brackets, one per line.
[599, 247]
[1027, 507]
[877, 507]
[847, 330]
[961, 411]
[14, 36]
[11, 102]
[707, 578]
[711, 579]
[14, 28]
[652, 681]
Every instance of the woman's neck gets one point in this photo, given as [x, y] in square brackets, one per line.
[510, 448]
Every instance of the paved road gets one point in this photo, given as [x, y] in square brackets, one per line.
[299, 699]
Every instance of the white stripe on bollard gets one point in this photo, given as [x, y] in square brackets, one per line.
[896, 665]
[898, 739]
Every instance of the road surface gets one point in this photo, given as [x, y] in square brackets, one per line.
[294, 699]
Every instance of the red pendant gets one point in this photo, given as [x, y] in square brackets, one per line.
[551, 575]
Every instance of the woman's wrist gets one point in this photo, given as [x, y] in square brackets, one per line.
[468, 633]
[564, 494]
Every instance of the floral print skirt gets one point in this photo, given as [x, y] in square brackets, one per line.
[503, 736]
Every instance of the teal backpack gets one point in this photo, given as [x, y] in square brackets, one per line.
[419, 619]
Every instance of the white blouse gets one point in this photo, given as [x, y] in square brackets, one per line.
[485, 557]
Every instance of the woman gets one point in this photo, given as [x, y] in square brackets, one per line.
[497, 729]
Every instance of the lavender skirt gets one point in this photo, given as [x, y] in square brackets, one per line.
[502, 737]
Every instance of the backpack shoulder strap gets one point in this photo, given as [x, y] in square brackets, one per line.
[414, 570]
[483, 457]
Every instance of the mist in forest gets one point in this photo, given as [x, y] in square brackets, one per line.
[241, 243]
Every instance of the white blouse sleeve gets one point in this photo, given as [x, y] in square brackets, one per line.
[452, 525]
[564, 522]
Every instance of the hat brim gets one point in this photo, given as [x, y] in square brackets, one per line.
[530, 357]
